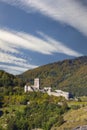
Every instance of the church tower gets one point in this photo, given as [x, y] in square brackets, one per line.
[36, 83]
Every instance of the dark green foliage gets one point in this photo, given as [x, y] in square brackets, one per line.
[18, 122]
[42, 112]
[7, 80]
[1, 113]
[12, 125]
[1, 128]
[1, 101]
[43, 115]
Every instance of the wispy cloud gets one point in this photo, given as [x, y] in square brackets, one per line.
[11, 43]
[14, 69]
[71, 12]
[44, 45]
[24, 40]
[60, 47]
[13, 64]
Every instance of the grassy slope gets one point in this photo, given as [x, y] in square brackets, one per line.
[74, 118]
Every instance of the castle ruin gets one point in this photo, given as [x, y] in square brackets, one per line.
[48, 90]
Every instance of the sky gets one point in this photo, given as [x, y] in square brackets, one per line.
[38, 32]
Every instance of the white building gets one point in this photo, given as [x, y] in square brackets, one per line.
[36, 87]
[58, 93]
[32, 88]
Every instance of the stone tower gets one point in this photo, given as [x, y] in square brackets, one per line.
[25, 88]
[36, 83]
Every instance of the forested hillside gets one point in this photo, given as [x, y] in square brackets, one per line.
[68, 75]
[7, 80]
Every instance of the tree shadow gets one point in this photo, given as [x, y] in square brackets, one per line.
[1, 113]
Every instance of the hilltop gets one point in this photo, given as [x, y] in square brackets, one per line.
[68, 75]
[7, 79]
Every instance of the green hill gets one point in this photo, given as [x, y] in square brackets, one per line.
[68, 75]
[7, 80]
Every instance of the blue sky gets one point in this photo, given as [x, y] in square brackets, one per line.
[37, 32]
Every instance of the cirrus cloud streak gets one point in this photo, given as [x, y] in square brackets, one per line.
[45, 45]
[70, 12]
[11, 43]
